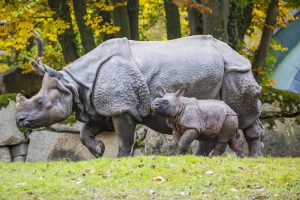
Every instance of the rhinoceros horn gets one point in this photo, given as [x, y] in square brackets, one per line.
[39, 65]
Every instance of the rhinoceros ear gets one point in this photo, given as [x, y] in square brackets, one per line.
[40, 69]
[180, 92]
[161, 91]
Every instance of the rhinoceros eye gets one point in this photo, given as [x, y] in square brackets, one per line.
[40, 102]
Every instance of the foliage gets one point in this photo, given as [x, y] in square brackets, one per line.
[6, 98]
[193, 5]
[20, 18]
[178, 177]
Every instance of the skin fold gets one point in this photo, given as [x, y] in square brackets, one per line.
[192, 119]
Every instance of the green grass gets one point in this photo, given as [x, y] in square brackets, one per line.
[183, 177]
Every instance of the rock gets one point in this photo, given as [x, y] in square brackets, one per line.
[9, 132]
[49, 145]
[70, 127]
[19, 150]
[19, 159]
[110, 141]
[279, 103]
[138, 151]
[5, 155]
[159, 144]
[2, 87]
[14, 81]
[282, 137]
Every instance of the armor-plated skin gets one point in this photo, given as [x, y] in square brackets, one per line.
[111, 88]
[192, 119]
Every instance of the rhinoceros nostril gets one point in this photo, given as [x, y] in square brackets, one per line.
[20, 120]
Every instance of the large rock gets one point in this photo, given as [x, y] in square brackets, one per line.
[49, 145]
[282, 137]
[9, 132]
[72, 127]
[5, 155]
[19, 150]
[14, 81]
[279, 103]
[159, 144]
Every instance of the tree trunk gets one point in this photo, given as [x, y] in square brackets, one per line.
[173, 20]
[262, 51]
[120, 18]
[133, 15]
[86, 32]
[195, 21]
[233, 26]
[215, 23]
[67, 39]
[246, 20]
[239, 21]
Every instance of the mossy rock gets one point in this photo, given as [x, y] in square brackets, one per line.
[70, 120]
[6, 98]
[288, 102]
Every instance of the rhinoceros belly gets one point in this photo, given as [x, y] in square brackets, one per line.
[192, 62]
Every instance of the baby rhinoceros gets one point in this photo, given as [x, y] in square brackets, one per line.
[192, 119]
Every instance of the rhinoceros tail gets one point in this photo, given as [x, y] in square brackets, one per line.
[233, 61]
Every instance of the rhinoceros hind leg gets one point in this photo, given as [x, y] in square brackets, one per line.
[237, 145]
[219, 149]
[124, 125]
[87, 137]
[254, 134]
[205, 147]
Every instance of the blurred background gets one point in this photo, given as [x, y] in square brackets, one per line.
[265, 31]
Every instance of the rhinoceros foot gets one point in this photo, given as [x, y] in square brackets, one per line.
[99, 149]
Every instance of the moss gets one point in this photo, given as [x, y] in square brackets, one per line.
[270, 121]
[6, 98]
[298, 119]
[289, 101]
[70, 120]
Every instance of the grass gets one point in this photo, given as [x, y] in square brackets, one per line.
[178, 177]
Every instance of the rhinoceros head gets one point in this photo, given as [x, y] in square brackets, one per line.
[168, 104]
[51, 104]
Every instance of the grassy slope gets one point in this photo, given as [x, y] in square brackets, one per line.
[133, 178]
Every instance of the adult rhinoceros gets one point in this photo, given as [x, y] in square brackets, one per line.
[111, 87]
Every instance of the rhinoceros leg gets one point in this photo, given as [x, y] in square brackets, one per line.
[87, 137]
[186, 139]
[253, 135]
[205, 147]
[124, 126]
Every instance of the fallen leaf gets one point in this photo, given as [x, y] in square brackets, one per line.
[209, 173]
[159, 178]
[234, 190]
[79, 181]
[152, 192]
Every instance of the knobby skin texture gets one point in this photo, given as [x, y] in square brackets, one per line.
[112, 86]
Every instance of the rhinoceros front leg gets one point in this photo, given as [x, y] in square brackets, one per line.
[124, 126]
[205, 147]
[253, 135]
[87, 137]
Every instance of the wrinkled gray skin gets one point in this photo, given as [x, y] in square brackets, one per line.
[111, 88]
[192, 119]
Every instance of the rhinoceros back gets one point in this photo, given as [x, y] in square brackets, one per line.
[192, 62]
